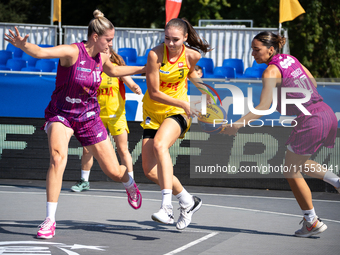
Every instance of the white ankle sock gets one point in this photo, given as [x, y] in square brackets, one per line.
[51, 208]
[85, 175]
[185, 198]
[129, 182]
[332, 179]
[166, 197]
[131, 174]
[309, 214]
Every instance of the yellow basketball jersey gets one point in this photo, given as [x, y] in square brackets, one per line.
[111, 97]
[173, 82]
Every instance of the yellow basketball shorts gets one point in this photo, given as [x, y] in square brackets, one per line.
[116, 126]
[154, 121]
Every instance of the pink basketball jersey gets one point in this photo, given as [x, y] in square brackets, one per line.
[294, 76]
[75, 95]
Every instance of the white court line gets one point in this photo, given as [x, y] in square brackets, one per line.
[158, 200]
[204, 194]
[184, 247]
[262, 211]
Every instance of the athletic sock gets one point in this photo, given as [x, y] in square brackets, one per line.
[131, 174]
[129, 183]
[51, 208]
[332, 179]
[85, 175]
[185, 198]
[166, 197]
[309, 214]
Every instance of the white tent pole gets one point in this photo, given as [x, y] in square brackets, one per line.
[52, 11]
[60, 33]
[280, 28]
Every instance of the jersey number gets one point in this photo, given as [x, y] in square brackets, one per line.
[96, 76]
[181, 73]
[303, 82]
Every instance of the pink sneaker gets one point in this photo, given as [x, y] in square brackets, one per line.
[47, 229]
[134, 196]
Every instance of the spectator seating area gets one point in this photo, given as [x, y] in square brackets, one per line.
[231, 68]
[15, 59]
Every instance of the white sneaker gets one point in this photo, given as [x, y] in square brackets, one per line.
[186, 213]
[311, 228]
[164, 215]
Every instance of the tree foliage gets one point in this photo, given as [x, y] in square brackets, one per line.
[313, 36]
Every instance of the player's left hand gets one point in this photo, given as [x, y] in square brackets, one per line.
[136, 89]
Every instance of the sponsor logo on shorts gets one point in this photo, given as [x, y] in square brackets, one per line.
[100, 134]
[61, 118]
[147, 120]
[73, 100]
[89, 114]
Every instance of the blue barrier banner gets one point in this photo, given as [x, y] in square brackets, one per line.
[27, 96]
[214, 159]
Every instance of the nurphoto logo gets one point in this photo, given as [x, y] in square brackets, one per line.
[238, 101]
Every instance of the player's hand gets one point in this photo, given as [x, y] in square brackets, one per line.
[228, 129]
[15, 38]
[190, 110]
[209, 100]
[136, 89]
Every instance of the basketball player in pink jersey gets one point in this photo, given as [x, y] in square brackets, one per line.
[74, 109]
[311, 131]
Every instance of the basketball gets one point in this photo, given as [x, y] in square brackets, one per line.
[211, 123]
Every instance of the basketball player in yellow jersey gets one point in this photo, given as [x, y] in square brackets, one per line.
[111, 98]
[167, 114]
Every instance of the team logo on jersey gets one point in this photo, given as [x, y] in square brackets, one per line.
[287, 62]
[82, 62]
[180, 64]
[164, 72]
